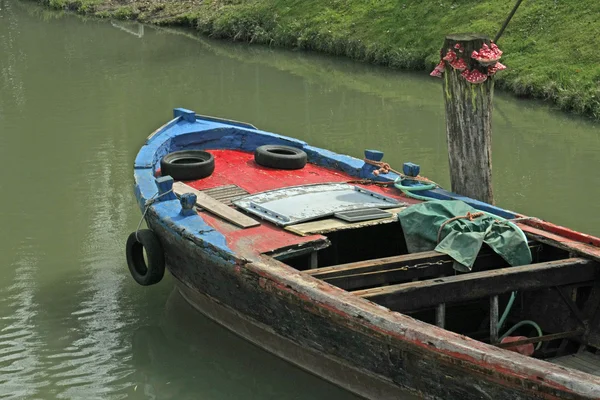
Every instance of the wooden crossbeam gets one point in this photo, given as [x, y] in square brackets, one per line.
[379, 264]
[471, 286]
[406, 267]
[335, 224]
[545, 338]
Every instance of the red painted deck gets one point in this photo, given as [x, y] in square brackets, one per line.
[238, 168]
[234, 167]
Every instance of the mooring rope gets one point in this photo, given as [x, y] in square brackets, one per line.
[147, 205]
[385, 168]
[470, 216]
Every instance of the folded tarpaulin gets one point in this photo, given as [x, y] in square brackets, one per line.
[461, 238]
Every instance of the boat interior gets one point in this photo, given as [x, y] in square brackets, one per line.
[547, 309]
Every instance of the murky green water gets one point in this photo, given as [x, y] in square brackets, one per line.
[77, 99]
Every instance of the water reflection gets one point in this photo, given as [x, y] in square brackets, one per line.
[186, 354]
[12, 61]
[94, 361]
[133, 28]
[21, 372]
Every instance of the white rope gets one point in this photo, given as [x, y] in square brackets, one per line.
[147, 205]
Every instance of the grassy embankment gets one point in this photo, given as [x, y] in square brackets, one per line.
[551, 47]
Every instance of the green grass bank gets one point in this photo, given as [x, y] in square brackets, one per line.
[551, 47]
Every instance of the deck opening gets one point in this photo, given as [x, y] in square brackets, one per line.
[557, 290]
[354, 245]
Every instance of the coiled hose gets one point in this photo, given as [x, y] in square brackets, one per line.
[408, 190]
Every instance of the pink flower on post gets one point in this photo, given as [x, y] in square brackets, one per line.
[439, 69]
[450, 56]
[474, 76]
[459, 64]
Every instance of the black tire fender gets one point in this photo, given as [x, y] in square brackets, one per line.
[187, 165]
[280, 157]
[152, 272]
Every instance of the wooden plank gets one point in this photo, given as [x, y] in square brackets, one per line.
[413, 260]
[591, 312]
[314, 260]
[494, 319]
[215, 207]
[554, 336]
[334, 224]
[428, 293]
[440, 315]
[571, 305]
[370, 273]
[583, 361]
[414, 272]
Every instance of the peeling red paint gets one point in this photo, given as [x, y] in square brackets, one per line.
[564, 232]
[255, 178]
[499, 371]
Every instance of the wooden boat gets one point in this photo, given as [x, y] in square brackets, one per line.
[344, 299]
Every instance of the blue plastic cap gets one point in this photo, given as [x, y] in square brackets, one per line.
[411, 169]
[185, 114]
[187, 200]
[374, 155]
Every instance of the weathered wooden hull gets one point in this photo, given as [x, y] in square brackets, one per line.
[349, 340]
[363, 347]
[317, 363]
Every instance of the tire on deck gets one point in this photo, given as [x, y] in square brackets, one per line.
[187, 165]
[280, 157]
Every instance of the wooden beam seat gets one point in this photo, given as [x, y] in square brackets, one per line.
[406, 267]
[471, 286]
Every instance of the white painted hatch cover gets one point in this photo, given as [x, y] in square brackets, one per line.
[295, 204]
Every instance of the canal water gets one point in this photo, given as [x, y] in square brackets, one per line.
[77, 99]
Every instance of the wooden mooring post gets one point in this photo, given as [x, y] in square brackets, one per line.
[468, 94]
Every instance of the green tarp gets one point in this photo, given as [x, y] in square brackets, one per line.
[461, 239]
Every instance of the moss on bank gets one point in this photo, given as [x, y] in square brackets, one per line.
[551, 47]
